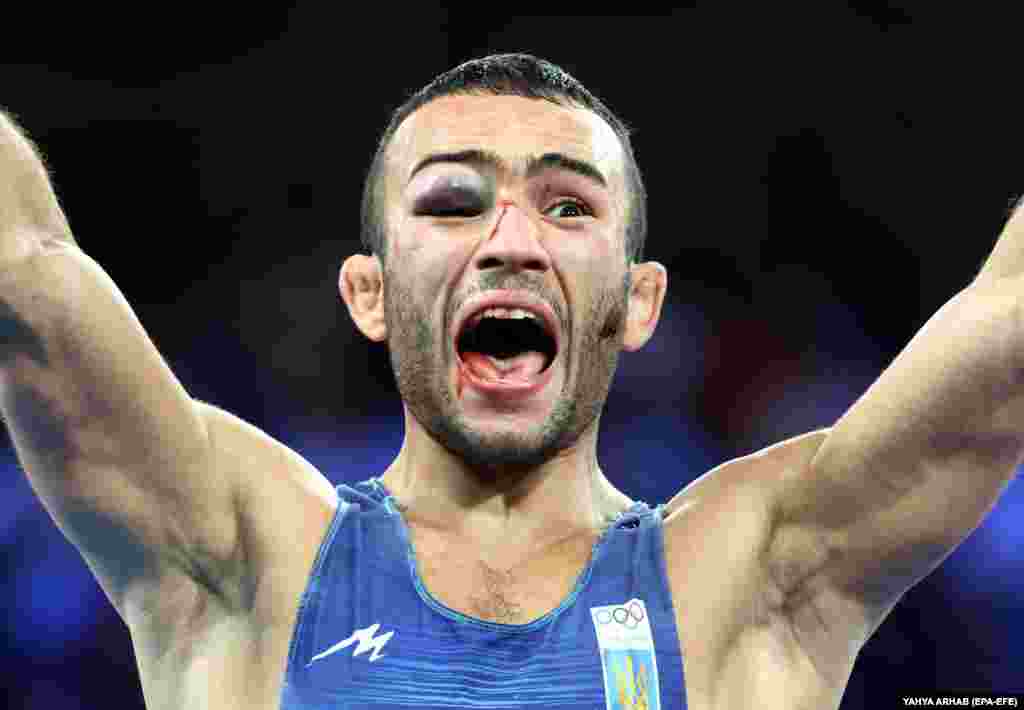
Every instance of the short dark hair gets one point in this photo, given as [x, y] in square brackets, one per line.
[504, 75]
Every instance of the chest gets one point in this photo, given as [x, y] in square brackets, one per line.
[403, 648]
[508, 586]
[725, 639]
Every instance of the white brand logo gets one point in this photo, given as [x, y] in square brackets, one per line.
[366, 643]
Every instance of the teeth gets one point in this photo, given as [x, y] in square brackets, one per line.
[509, 313]
[517, 313]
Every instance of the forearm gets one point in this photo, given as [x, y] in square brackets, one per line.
[946, 417]
[915, 465]
[29, 210]
[31, 222]
[1007, 257]
[956, 392]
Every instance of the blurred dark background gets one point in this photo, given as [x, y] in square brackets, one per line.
[821, 180]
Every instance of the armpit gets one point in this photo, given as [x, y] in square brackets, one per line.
[17, 337]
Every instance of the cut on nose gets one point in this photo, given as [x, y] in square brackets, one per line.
[513, 242]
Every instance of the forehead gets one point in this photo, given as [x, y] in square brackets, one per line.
[514, 127]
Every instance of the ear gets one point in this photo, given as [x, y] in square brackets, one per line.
[646, 294]
[362, 288]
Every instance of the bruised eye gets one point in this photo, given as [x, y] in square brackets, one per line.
[449, 203]
[569, 208]
[455, 212]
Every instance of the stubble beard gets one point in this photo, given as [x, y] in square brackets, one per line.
[414, 342]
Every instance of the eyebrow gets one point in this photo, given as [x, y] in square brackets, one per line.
[534, 165]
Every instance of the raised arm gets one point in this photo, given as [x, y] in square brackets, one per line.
[914, 466]
[150, 485]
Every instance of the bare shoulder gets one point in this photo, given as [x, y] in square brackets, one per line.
[714, 530]
[718, 529]
[761, 470]
[720, 532]
[283, 508]
[235, 623]
[254, 557]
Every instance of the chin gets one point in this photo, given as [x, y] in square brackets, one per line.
[504, 442]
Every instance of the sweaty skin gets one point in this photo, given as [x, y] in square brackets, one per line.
[202, 530]
[577, 266]
[484, 483]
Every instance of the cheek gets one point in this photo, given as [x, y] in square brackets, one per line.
[586, 253]
[428, 259]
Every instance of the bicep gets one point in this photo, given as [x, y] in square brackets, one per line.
[281, 501]
[111, 442]
[82, 381]
[913, 467]
[856, 529]
[878, 524]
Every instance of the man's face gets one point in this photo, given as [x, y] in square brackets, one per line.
[505, 288]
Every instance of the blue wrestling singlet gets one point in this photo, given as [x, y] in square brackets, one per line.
[369, 634]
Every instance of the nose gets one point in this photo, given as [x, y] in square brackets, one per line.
[513, 243]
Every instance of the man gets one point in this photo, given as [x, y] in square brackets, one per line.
[492, 564]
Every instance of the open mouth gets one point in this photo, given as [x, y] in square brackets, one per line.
[510, 345]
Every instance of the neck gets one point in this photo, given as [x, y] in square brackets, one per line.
[566, 494]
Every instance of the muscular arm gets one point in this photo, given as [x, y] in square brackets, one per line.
[914, 466]
[27, 201]
[123, 459]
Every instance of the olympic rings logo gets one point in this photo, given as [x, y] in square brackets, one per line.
[628, 616]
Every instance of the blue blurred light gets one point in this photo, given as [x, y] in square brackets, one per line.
[671, 364]
[45, 695]
[52, 598]
[347, 450]
[16, 498]
[653, 455]
[55, 600]
[990, 562]
[1004, 529]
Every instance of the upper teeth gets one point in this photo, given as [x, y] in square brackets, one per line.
[502, 313]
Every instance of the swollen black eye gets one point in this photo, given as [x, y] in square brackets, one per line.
[450, 203]
[455, 212]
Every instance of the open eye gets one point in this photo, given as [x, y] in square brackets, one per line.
[564, 208]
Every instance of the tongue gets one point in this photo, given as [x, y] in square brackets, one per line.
[519, 368]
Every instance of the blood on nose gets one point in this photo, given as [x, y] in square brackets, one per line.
[506, 246]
